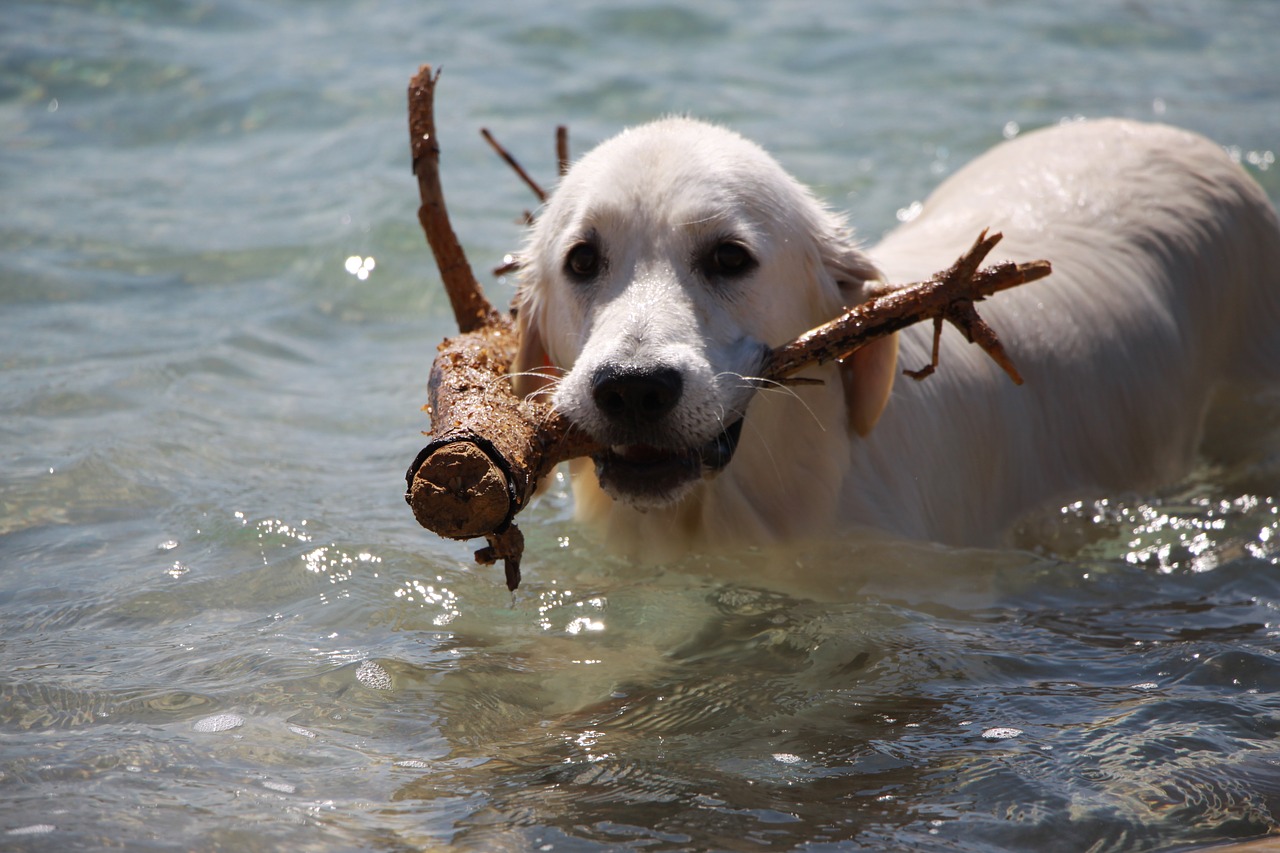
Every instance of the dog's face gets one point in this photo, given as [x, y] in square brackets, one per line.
[668, 262]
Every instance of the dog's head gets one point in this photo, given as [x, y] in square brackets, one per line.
[667, 263]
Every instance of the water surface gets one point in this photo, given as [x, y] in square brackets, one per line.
[221, 629]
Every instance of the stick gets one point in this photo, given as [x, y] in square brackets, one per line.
[489, 449]
[948, 295]
[488, 330]
[510, 444]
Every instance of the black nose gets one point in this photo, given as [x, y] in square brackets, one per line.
[636, 396]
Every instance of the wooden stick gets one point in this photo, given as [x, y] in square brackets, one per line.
[948, 295]
[510, 444]
[473, 311]
[489, 449]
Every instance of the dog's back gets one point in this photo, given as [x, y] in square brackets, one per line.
[1166, 281]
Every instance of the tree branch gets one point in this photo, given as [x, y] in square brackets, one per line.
[948, 295]
[490, 449]
[470, 307]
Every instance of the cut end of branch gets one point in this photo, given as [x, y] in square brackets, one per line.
[458, 492]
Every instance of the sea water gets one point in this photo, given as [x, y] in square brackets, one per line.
[220, 627]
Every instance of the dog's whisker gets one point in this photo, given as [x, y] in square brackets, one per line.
[765, 385]
[548, 393]
[548, 380]
[762, 383]
[785, 382]
[768, 448]
[549, 373]
[747, 381]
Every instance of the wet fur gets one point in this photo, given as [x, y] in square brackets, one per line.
[1166, 283]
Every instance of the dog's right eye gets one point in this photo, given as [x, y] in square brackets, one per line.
[726, 260]
[582, 263]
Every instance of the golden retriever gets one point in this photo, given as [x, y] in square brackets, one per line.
[674, 254]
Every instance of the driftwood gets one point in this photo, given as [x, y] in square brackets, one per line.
[489, 449]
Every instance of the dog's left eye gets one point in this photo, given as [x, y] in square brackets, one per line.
[583, 261]
[728, 259]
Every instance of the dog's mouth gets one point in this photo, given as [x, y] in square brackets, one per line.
[646, 476]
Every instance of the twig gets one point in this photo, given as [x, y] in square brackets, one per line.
[514, 164]
[948, 295]
[513, 264]
[470, 306]
[562, 150]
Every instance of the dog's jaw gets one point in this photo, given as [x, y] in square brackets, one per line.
[646, 477]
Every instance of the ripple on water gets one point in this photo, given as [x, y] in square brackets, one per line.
[39, 705]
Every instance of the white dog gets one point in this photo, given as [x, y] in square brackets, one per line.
[674, 254]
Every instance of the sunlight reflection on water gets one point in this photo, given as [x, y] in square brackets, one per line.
[222, 630]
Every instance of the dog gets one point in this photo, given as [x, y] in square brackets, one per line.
[673, 256]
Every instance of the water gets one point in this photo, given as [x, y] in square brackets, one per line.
[221, 629]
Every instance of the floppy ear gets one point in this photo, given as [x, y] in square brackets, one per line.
[851, 270]
[869, 371]
[868, 375]
[530, 370]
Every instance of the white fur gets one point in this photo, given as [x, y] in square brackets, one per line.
[1166, 281]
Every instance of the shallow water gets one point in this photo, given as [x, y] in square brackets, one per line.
[220, 627]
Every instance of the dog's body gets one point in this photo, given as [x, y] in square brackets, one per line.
[674, 254]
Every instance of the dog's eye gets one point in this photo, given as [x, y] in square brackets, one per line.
[728, 259]
[582, 263]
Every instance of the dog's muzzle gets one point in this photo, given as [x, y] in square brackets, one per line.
[639, 467]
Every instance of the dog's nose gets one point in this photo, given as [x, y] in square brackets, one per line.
[635, 395]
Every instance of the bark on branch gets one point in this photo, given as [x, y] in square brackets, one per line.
[470, 306]
[949, 295]
[489, 449]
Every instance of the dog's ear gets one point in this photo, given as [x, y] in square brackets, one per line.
[869, 372]
[852, 271]
[530, 371]
[867, 375]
